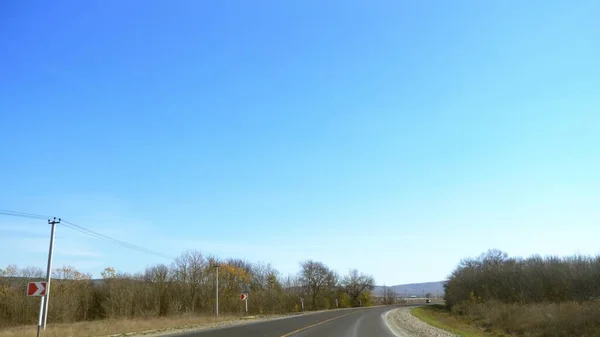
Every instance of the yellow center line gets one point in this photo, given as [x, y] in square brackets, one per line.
[319, 323]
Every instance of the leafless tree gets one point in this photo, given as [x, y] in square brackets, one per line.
[356, 284]
[316, 278]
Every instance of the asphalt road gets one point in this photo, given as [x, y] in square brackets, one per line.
[360, 322]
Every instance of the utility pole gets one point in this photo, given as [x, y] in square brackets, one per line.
[217, 290]
[41, 317]
[46, 298]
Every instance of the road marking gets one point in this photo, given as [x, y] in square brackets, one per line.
[319, 323]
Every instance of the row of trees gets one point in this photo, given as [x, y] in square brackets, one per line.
[187, 286]
[495, 276]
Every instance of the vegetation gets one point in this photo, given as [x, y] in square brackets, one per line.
[438, 316]
[116, 327]
[535, 296]
[184, 288]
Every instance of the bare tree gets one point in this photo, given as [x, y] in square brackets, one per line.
[316, 278]
[190, 272]
[159, 277]
[356, 284]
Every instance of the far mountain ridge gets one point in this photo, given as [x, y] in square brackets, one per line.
[413, 289]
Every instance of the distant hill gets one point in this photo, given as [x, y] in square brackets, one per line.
[415, 289]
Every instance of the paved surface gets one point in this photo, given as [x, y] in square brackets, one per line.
[360, 322]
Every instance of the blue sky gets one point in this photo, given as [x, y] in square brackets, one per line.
[395, 137]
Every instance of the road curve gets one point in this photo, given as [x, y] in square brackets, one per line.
[359, 322]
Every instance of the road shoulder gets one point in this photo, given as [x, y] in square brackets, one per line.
[403, 324]
[438, 316]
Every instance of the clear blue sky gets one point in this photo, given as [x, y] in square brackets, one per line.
[392, 136]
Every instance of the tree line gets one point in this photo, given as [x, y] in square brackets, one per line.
[494, 276]
[187, 286]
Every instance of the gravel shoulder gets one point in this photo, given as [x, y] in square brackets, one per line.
[404, 324]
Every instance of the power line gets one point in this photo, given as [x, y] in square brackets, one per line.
[24, 215]
[88, 232]
[117, 242]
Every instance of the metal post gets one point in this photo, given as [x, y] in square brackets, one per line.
[52, 222]
[246, 303]
[337, 305]
[217, 290]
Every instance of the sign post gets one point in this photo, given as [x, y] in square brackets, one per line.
[217, 290]
[244, 297]
[38, 289]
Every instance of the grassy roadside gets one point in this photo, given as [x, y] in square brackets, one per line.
[118, 327]
[437, 316]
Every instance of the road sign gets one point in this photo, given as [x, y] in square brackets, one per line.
[36, 289]
[243, 297]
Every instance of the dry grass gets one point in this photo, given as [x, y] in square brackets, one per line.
[567, 319]
[536, 320]
[121, 326]
[438, 316]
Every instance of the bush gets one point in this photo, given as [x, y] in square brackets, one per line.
[495, 276]
[551, 296]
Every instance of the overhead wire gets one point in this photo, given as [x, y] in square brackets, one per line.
[114, 241]
[88, 232]
[24, 215]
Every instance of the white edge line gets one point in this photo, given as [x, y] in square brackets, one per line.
[384, 316]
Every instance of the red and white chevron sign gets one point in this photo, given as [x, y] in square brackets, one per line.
[36, 289]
